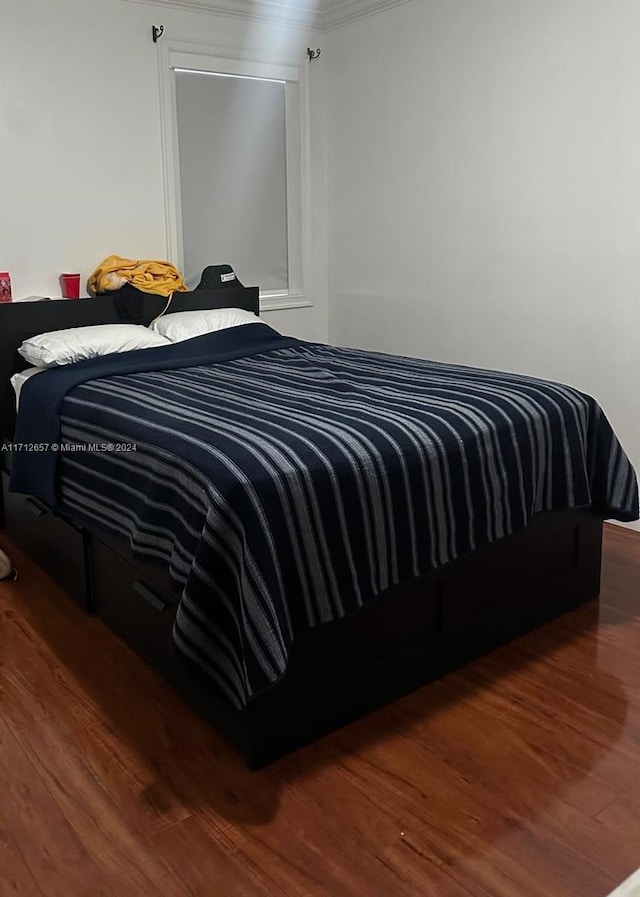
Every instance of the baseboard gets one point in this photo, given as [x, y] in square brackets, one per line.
[628, 888]
[635, 525]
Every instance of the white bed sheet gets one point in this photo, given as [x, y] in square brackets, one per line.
[18, 381]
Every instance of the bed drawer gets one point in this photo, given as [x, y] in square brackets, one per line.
[133, 606]
[56, 544]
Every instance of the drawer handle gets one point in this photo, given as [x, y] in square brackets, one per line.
[149, 596]
[36, 507]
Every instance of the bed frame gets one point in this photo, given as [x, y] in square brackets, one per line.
[410, 635]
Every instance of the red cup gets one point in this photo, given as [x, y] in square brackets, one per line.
[70, 285]
[5, 286]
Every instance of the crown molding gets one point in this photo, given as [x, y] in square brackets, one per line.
[238, 9]
[306, 14]
[351, 10]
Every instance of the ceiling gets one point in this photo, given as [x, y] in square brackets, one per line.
[321, 14]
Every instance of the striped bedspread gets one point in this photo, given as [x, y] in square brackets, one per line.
[287, 484]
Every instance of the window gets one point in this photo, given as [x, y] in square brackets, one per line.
[235, 167]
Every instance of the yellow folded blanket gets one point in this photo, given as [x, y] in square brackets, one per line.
[159, 278]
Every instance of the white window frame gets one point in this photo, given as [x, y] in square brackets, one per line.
[201, 58]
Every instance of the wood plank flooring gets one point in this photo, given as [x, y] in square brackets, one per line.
[518, 776]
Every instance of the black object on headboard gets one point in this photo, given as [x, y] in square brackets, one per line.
[21, 320]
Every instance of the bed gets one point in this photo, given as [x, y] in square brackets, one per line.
[301, 635]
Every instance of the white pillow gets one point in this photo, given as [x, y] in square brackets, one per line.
[79, 343]
[187, 324]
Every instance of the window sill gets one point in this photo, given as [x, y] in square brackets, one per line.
[284, 300]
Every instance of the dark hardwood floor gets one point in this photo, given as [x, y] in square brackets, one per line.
[517, 777]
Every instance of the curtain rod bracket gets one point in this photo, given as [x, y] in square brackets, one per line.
[313, 54]
[156, 32]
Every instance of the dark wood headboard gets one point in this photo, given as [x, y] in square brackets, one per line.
[21, 320]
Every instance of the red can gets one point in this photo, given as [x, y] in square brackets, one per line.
[5, 286]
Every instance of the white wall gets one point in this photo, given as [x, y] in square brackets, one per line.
[484, 189]
[80, 150]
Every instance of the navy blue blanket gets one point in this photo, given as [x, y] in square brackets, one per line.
[286, 484]
[40, 423]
